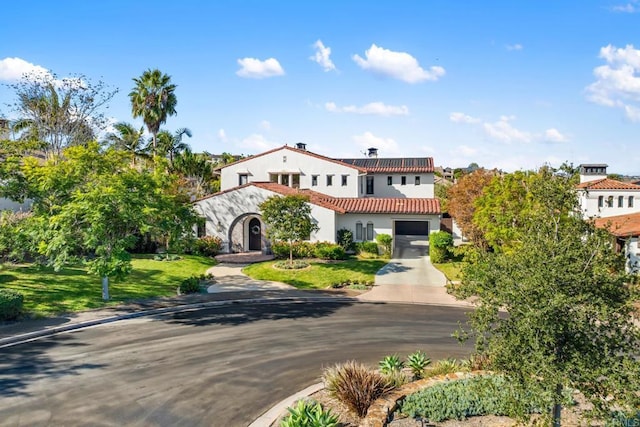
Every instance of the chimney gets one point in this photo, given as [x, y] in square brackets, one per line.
[592, 172]
[373, 152]
[301, 146]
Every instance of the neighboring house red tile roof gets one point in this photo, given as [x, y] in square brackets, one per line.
[388, 205]
[608, 184]
[397, 165]
[349, 204]
[297, 150]
[621, 225]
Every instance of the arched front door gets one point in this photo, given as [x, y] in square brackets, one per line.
[255, 235]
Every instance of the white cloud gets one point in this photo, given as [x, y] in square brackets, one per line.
[257, 143]
[13, 69]
[512, 47]
[222, 135]
[322, 56]
[386, 146]
[398, 65]
[457, 117]
[618, 81]
[554, 135]
[252, 68]
[372, 108]
[631, 7]
[503, 130]
[265, 125]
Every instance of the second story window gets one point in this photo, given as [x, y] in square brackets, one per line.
[314, 180]
[369, 185]
[620, 201]
[610, 201]
[329, 180]
[389, 180]
[403, 180]
[600, 201]
[344, 180]
[243, 178]
[630, 203]
[417, 180]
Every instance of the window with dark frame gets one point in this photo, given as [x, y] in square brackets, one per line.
[600, 201]
[630, 203]
[344, 180]
[369, 185]
[243, 178]
[417, 180]
[369, 231]
[314, 180]
[389, 180]
[620, 201]
[359, 231]
[403, 180]
[329, 180]
[610, 201]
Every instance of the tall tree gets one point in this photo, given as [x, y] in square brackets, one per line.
[197, 171]
[461, 199]
[153, 98]
[129, 139]
[171, 145]
[555, 312]
[59, 112]
[288, 219]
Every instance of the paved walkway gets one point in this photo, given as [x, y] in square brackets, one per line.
[230, 278]
[410, 277]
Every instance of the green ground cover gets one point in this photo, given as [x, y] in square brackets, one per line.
[320, 274]
[72, 289]
[453, 270]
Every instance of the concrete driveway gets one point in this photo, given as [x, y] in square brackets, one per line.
[410, 277]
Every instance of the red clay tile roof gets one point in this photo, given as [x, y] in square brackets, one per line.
[396, 165]
[344, 205]
[608, 184]
[621, 225]
[388, 205]
[297, 150]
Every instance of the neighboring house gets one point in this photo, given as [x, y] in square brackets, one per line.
[368, 196]
[626, 230]
[602, 197]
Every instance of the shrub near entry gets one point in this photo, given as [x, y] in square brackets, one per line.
[10, 304]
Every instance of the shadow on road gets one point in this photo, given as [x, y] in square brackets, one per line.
[410, 247]
[22, 365]
[393, 267]
[246, 313]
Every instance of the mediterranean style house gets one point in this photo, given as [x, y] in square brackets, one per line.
[368, 196]
[613, 205]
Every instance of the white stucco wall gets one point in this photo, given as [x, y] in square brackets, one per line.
[396, 189]
[289, 161]
[632, 252]
[220, 212]
[589, 203]
[383, 223]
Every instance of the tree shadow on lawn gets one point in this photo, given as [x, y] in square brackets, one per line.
[241, 313]
[24, 364]
[367, 266]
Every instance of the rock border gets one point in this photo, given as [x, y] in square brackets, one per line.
[381, 410]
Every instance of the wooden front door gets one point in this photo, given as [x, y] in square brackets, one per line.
[255, 235]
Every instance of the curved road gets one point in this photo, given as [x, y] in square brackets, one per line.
[211, 367]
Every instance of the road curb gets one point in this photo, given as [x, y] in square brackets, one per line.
[269, 417]
[31, 336]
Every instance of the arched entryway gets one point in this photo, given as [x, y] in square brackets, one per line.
[255, 235]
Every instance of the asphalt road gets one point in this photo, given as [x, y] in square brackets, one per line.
[214, 367]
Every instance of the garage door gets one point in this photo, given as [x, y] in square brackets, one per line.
[420, 228]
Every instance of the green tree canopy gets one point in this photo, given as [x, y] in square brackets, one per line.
[288, 219]
[153, 98]
[555, 312]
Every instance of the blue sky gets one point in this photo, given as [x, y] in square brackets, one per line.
[507, 84]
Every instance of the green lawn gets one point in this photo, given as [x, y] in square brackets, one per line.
[319, 275]
[453, 270]
[72, 289]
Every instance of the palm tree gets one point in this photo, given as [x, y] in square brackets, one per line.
[197, 171]
[127, 138]
[172, 145]
[153, 99]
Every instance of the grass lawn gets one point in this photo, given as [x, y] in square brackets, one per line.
[453, 270]
[319, 275]
[72, 289]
